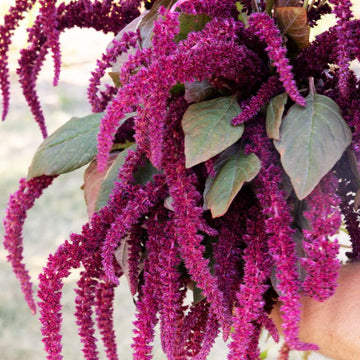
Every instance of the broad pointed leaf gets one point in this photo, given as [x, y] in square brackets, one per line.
[142, 176]
[293, 22]
[68, 148]
[239, 169]
[208, 130]
[312, 140]
[274, 115]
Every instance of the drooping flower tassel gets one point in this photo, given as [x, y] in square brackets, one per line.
[84, 301]
[264, 27]
[19, 203]
[148, 304]
[11, 22]
[257, 269]
[280, 235]
[321, 264]
[104, 301]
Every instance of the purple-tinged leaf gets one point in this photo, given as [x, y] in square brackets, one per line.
[293, 22]
[286, 3]
[199, 91]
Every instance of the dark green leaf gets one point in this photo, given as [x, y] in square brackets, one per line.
[312, 140]
[357, 200]
[177, 89]
[274, 115]
[208, 130]
[269, 6]
[238, 169]
[189, 23]
[198, 295]
[68, 148]
[142, 176]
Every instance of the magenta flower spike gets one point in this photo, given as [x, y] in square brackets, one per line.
[49, 20]
[264, 27]
[249, 109]
[117, 48]
[19, 204]
[250, 296]
[148, 304]
[104, 306]
[342, 10]
[322, 265]
[280, 238]
[11, 22]
[84, 301]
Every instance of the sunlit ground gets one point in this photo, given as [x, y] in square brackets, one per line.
[61, 210]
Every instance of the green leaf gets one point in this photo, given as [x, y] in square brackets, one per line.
[189, 23]
[243, 17]
[274, 115]
[115, 78]
[198, 295]
[142, 176]
[178, 88]
[264, 354]
[238, 169]
[312, 140]
[68, 148]
[208, 130]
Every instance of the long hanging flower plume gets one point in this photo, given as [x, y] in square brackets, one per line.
[209, 191]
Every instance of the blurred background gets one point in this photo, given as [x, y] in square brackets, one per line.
[61, 210]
